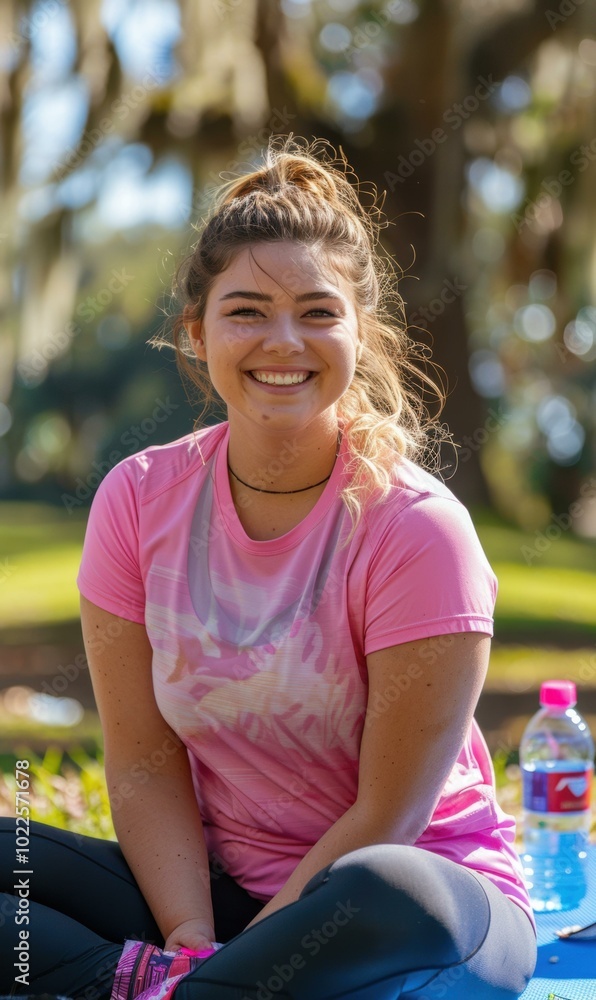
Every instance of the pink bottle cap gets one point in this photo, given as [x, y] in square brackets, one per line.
[558, 694]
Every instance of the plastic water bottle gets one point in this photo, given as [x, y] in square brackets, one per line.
[557, 761]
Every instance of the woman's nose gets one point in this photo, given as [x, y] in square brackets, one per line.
[283, 336]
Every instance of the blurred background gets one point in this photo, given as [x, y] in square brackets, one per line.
[118, 119]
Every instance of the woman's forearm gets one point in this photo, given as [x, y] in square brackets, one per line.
[352, 830]
[159, 829]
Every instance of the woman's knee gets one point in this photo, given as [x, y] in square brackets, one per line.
[405, 888]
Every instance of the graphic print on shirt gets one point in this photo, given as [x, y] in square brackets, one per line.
[256, 660]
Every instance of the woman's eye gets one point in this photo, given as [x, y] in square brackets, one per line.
[245, 311]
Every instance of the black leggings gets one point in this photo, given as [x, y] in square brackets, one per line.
[381, 922]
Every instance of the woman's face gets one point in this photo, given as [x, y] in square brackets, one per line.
[280, 337]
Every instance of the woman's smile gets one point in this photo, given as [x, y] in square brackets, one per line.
[284, 379]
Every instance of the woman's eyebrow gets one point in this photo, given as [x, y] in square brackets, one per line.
[305, 297]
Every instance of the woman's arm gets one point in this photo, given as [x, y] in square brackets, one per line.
[154, 808]
[409, 746]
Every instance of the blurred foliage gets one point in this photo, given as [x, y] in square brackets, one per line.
[476, 119]
[67, 790]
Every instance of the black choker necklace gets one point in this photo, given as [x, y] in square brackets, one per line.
[257, 490]
[280, 492]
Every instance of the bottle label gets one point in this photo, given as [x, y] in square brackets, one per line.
[557, 791]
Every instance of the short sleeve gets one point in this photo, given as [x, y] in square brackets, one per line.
[428, 575]
[109, 573]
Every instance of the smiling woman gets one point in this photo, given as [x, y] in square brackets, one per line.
[301, 617]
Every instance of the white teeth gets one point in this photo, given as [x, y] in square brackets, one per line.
[277, 378]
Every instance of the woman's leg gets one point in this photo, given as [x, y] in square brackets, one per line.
[506, 957]
[82, 902]
[89, 880]
[381, 922]
[378, 923]
[85, 878]
[58, 955]
[78, 902]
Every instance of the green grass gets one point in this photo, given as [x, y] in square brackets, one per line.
[508, 544]
[517, 669]
[40, 551]
[18, 729]
[554, 597]
[543, 584]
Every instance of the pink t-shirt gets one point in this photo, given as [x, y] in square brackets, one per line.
[259, 647]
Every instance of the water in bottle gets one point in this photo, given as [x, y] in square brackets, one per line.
[557, 762]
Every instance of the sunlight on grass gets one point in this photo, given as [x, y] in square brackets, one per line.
[67, 793]
[520, 668]
[505, 543]
[550, 594]
[40, 586]
[40, 546]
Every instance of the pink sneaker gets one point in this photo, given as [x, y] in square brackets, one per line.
[146, 972]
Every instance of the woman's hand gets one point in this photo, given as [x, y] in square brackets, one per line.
[195, 934]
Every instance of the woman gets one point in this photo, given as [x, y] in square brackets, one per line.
[288, 621]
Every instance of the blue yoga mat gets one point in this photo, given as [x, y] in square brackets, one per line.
[573, 973]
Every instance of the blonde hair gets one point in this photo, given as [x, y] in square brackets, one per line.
[302, 194]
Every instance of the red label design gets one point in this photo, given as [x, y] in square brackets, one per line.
[557, 791]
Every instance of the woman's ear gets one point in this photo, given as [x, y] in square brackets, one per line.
[194, 329]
